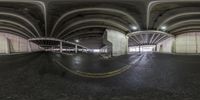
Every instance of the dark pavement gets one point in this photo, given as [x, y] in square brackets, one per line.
[152, 76]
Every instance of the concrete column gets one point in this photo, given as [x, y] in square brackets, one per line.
[76, 49]
[7, 46]
[29, 46]
[196, 40]
[117, 41]
[4, 45]
[19, 45]
[61, 47]
[51, 48]
[156, 48]
[139, 48]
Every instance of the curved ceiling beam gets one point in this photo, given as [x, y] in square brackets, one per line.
[92, 26]
[97, 39]
[154, 3]
[182, 23]
[133, 40]
[82, 33]
[90, 35]
[148, 32]
[188, 31]
[15, 30]
[161, 39]
[22, 18]
[44, 9]
[67, 23]
[176, 16]
[185, 28]
[11, 32]
[19, 25]
[93, 9]
[113, 23]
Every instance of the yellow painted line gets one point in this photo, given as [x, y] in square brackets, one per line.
[95, 75]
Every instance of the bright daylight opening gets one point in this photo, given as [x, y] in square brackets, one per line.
[144, 48]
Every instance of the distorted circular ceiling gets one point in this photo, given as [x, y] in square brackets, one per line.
[87, 20]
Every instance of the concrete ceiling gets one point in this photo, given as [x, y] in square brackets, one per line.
[87, 19]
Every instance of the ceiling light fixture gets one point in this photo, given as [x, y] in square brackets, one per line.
[164, 28]
[134, 28]
[77, 41]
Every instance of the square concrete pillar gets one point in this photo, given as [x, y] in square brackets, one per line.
[61, 47]
[76, 49]
[29, 46]
[7, 46]
[117, 41]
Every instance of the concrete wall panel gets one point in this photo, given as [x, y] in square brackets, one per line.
[184, 43]
[181, 44]
[166, 45]
[198, 42]
[119, 42]
[191, 43]
[187, 43]
[3, 44]
[15, 44]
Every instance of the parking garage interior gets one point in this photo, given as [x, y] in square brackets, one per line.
[99, 49]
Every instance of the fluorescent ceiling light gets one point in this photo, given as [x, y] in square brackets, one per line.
[134, 28]
[163, 28]
[76, 40]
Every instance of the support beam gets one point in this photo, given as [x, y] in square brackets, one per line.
[139, 48]
[156, 48]
[161, 38]
[154, 40]
[132, 38]
[29, 46]
[149, 37]
[76, 49]
[4, 45]
[61, 47]
[54, 39]
[7, 51]
[152, 37]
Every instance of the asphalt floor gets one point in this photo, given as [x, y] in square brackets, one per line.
[152, 76]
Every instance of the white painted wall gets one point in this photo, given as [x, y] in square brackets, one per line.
[119, 42]
[15, 44]
[187, 43]
[184, 43]
[166, 45]
[3, 45]
[198, 42]
[34, 47]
